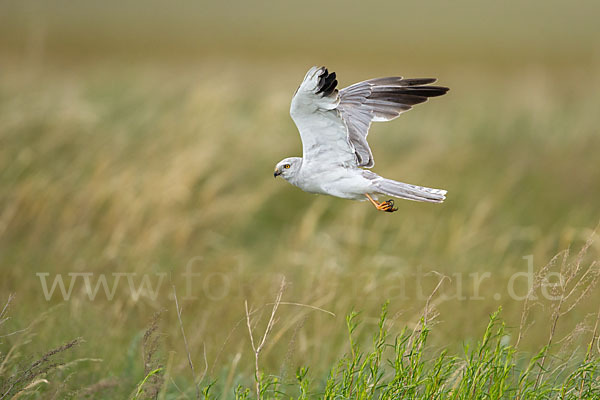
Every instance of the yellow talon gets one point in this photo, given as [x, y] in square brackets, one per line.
[387, 206]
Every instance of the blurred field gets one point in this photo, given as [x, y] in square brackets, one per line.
[141, 139]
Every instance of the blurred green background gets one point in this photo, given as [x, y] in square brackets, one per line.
[140, 137]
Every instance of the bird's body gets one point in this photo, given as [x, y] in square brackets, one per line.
[345, 181]
[334, 125]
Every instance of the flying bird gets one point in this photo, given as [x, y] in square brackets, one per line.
[333, 126]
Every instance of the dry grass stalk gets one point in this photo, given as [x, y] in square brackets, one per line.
[3, 319]
[576, 283]
[527, 303]
[268, 329]
[428, 315]
[430, 310]
[22, 379]
[187, 348]
[590, 350]
[291, 346]
[29, 388]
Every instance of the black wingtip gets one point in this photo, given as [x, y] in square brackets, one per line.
[327, 83]
[424, 91]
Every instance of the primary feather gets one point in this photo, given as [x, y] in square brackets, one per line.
[380, 99]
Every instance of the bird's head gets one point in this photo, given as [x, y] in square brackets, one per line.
[288, 167]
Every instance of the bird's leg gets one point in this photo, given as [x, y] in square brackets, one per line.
[387, 206]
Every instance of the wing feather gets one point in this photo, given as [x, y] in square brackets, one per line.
[334, 125]
[380, 99]
[322, 130]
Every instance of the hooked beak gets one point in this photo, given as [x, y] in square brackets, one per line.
[276, 173]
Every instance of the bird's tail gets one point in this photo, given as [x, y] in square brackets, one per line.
[407, 191]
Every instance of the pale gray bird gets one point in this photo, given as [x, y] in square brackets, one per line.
[333, 127]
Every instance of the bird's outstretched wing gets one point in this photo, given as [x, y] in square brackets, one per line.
[337, 123]
[380, 99]
[322, 130]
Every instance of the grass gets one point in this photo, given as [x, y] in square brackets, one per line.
[142, 153]
[404, 367]
[139, 170]
[400, 365]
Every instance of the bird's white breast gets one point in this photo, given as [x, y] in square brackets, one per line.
[334, 180]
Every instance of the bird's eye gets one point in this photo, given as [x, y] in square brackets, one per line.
[286, 166]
